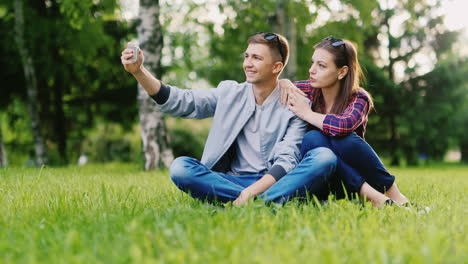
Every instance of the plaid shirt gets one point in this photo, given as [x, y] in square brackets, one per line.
[353, 119]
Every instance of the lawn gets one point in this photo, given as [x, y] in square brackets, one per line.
[118, 214]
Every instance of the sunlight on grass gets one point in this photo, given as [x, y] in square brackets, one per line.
[118, 214]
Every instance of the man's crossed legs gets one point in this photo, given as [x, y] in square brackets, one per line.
[310, 177]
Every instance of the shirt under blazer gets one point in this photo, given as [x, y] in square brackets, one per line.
[231, 105]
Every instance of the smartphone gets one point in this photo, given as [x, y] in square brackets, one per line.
[135, 53]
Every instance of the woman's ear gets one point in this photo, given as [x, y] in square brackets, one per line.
[342, 72]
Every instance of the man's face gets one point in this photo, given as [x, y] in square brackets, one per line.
[258, 63]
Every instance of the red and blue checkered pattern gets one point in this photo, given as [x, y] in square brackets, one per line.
[353, 119]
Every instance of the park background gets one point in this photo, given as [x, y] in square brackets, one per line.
[78, 185]
[64, 93]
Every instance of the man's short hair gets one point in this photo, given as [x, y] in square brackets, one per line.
[275, 42]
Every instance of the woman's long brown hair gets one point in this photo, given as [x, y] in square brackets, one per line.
[345, 55]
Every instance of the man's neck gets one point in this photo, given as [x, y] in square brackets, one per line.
[263, 90]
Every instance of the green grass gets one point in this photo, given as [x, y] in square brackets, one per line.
[119, 214]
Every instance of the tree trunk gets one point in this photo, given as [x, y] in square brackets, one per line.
[3, 156]
[464, 152]
[291, 35]
[59, 122]
[395, 159]
[394, 142]
[286, 26]
[156, 149]
[31, 84]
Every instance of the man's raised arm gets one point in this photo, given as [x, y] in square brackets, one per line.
[173, 101]
[136, 68]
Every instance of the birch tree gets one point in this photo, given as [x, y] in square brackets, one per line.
[156, 149]
[31, 83]
[285, 25]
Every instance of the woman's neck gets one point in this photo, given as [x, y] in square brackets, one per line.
[329, 96]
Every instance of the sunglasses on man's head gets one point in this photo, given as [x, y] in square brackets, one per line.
[272, 36]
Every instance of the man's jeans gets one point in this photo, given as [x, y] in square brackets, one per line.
[356, 162]
[310, 177]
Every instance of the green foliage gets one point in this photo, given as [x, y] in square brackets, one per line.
[111, 143]
[16, 132]
[116, 213]
[81, 13]
[75, 47]
[380, 87]
[363, 22]
[187, 137]
[227, 46]
[439, 97]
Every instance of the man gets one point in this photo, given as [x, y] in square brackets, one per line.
[254, 142]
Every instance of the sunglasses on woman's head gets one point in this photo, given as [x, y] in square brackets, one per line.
[335, 42]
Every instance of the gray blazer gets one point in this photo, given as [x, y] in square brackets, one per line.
[232, 104]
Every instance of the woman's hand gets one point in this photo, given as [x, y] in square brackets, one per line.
[299, 105]
[287, 88]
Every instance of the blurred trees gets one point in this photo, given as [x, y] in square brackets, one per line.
[417, 79]
[462, 124]
[74, 47]
[399, 42]
[31, 83]
[407, 31]
[243, 19]
[432, 123]
[3, 154]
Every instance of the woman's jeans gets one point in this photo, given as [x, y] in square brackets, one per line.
[356, 163]
[310, 177]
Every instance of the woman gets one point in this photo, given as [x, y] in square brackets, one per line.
[340, 109]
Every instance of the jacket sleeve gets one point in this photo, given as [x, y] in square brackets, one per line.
[307, 89]
[304, 86]
[348, 121]
[287, 153]
[190, 103]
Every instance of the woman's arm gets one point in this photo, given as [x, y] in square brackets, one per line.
[287, 87]
[348, 121]
[332, 124]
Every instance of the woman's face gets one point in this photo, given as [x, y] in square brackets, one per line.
[323, 72]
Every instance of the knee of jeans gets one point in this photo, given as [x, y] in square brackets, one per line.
[348, 142]
[179, 169]
[314, 139]
[325, 157]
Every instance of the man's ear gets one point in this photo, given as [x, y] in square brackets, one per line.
[278, 67]
[342, 72]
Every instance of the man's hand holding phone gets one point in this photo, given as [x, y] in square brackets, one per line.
[132, 58]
